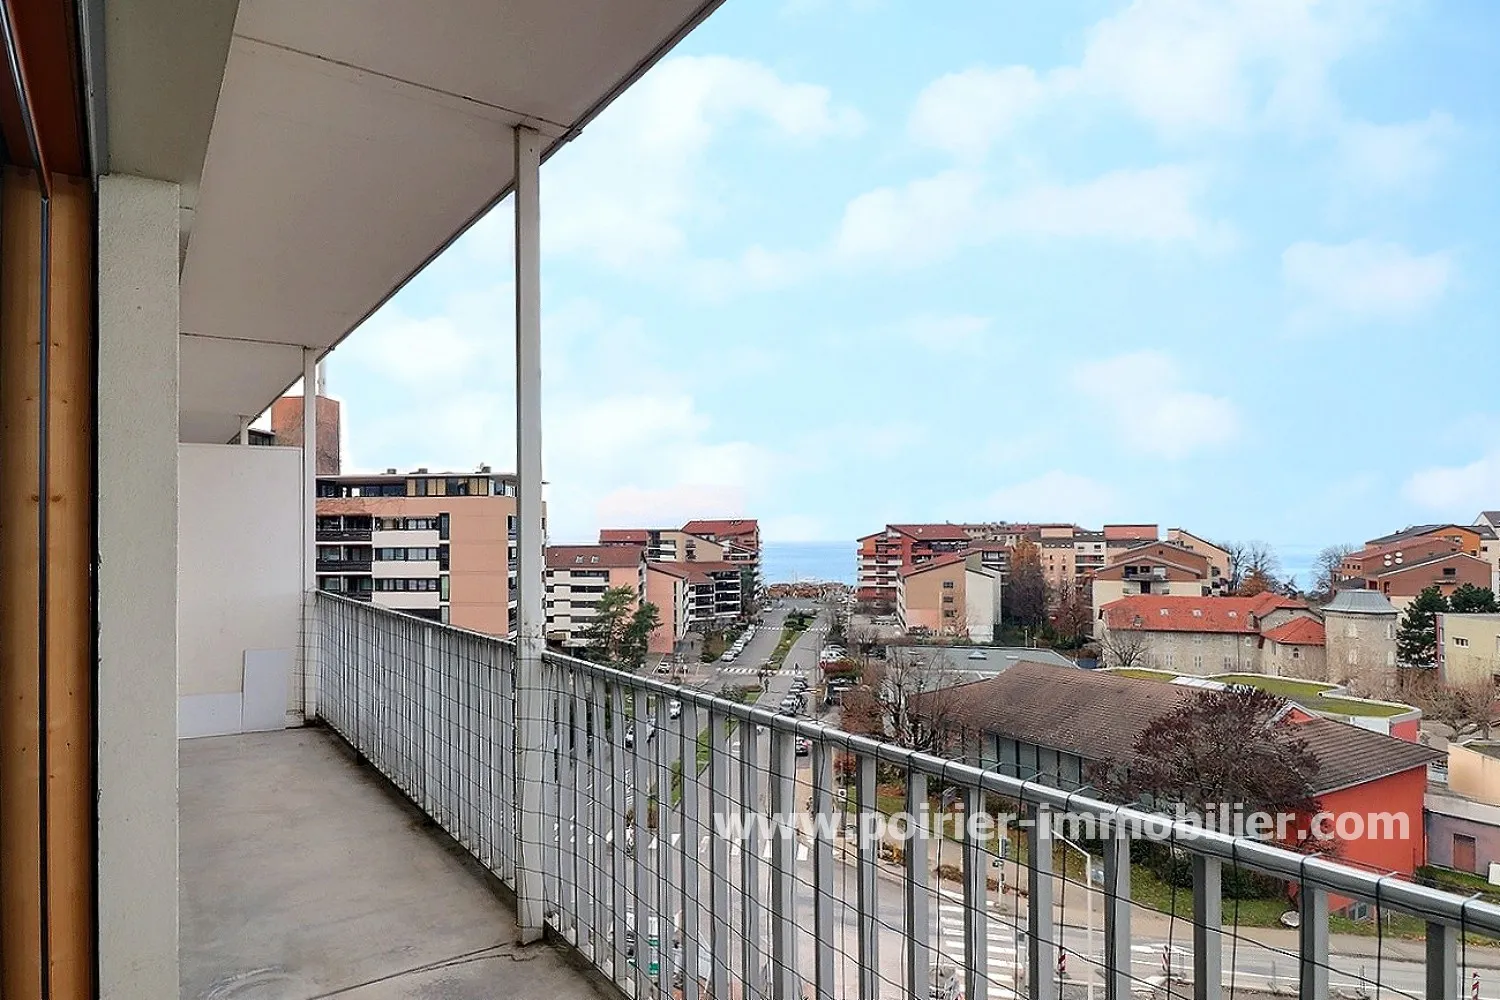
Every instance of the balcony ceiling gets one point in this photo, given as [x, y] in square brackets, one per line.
[350, 142]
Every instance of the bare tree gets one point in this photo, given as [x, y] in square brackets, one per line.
[1124, 648]
[917, 698]
[1253, 567]
[1327, 567]
[1466, 709]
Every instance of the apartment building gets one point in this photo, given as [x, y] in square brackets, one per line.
[883, 555]
[951, 595]
[669, 588]
[712, 543]
[1218, 558]
[1403, 564]
[1119, 537]
[437, 545]
[576, 576]
[1202, 636]
[1468, 648]
[1156, 568]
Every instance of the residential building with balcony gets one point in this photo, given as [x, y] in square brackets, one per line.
[731, 540]
[1119, 537]
[219, 778]
[1157, 568]
[576, 576]
[952, 595]
[436, 545]
[668, 586]
[883, 555]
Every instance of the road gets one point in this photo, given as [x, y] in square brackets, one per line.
[1256, 966]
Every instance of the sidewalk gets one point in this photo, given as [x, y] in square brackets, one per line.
[1152, 924]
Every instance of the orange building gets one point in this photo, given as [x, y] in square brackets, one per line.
[435, 545]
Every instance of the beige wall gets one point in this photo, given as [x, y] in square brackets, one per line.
[1361, 653]
[1471, 647]
[920, 600]
[1218, 559]
[1306, 662]
[1199, 654]
[478, 549]
[1473, 773]
[702, 549]
[1182, 585]
[669, 593]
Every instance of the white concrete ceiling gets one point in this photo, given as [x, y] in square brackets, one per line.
[351, 141]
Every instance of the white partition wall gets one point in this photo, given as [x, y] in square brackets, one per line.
[239, 603]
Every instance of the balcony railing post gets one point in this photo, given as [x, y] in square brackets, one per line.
[976, 890]
[1117, 915]
[784, 866]
[691, 838]
[823, 870]
[1041, 952]
[1312, 931]
[719, 736]
[869, 849]
[917, 888]
[1208, 923]
[750, 903]
[1442, 961]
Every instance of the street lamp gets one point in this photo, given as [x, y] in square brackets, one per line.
[1088, 874]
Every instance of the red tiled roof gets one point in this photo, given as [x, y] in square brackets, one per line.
[1298, 632]
[944, 560]
[1193, 614]
[593, 556]
[932, 532]
[630, 536]
[671, 568]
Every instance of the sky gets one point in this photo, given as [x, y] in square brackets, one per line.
[836, 263]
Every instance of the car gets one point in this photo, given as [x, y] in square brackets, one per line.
[798, 686]
[728, 657]
[663, 668]
[674, 709]
[804, 746]
[976, 655]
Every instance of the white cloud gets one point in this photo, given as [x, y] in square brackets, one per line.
[1186, 65]
[625, 191]
[1153, 412]
[1399, 157]
[1361, 280]
[1475, 486]
[1054, 495]
[965, 113]
[934, 217]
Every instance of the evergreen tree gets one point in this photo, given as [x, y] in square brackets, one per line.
[1469, 599]
[606, 633]
[636, 642]
[1416, 639]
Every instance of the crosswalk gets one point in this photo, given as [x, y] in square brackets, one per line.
[738, 670]
[1000, 942]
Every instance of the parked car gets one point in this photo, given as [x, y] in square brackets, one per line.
[674, 709]
[804, 746]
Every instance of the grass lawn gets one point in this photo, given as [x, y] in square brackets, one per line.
[1345, 706]
[1287, 687]
[1142, 673]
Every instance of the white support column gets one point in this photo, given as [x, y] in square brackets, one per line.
[529, 635]
[137, 587]
[309, 533]
[245, 429]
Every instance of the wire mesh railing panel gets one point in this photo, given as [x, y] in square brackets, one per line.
[698, 846]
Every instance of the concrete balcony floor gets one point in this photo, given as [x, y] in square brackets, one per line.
[303, 876]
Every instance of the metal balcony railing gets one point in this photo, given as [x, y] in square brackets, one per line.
[345, 534]
[684, 849]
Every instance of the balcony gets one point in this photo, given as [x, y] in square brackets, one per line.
[379, 872]
[344, 565]
[344, 534]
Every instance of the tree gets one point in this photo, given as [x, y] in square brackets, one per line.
[1466, 709]
[1416, 638]
[1328, 566]
[916, 697]
[1124, 648]
[620, 632]
[1469, 599]
[1233, 746]
[636, 642]
[1023, 601]
[1074, 616]
[1253, 568]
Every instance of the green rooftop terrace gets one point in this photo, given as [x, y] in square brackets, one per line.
[1316, 696]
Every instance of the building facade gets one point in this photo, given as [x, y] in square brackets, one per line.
[1202, 636]
[1156, 568]
[575, 578]
[436, 545]
[1468, 648]
[953, 595]
[1403, 564]
[1360, 626]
